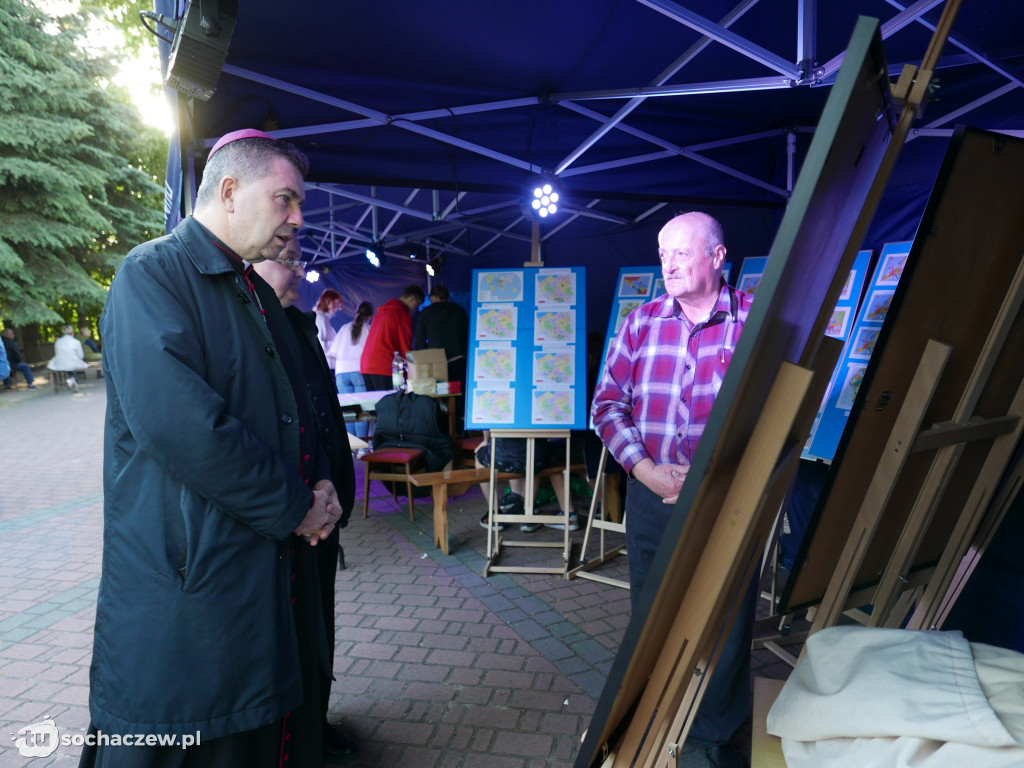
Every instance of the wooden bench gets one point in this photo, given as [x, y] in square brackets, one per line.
[59, 379]
[455, 482]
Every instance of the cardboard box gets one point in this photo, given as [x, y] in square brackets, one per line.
[423, 386]
[428, 364]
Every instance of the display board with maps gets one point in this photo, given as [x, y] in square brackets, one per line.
[527, 349]
[860, 343]
[636, 286]
[750, 274]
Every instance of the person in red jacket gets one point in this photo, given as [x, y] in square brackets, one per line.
[390, 332]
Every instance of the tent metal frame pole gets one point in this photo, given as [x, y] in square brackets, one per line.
[770, 83]
[661, 79]
[681, 151]
[380, 117]
[806, 36]
[722, 35]
[889, 28]
[969, 50]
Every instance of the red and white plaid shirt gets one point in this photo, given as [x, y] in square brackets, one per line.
[662, 376]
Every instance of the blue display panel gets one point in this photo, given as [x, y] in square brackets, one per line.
[527, 349]
[860, 342]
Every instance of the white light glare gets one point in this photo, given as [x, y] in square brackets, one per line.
[372, 258]
[430, 270]
[544, 200]
[312, 276]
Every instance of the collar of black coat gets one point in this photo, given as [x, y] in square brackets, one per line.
[209, 254]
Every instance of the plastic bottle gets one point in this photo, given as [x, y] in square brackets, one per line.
[397, 371]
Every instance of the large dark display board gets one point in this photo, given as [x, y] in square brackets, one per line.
[969, 246]
[806, 271]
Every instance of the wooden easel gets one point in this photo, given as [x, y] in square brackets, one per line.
[950, 578]
[583, 570]
[760, 421]
[897, 591]
[702, 620]
[495, 539]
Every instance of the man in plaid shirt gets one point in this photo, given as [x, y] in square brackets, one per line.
[663, 372]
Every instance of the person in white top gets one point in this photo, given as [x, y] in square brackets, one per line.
[68, 356]
[327, 307]
[346, 350]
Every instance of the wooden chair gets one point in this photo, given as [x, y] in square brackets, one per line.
[389, 459]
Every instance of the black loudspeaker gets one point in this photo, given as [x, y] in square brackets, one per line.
[200, 46]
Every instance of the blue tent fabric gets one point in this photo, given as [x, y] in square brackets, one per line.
[439, 114]
[444, 111]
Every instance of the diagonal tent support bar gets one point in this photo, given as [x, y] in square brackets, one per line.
[351, 125]
[373, 203]
[722, 35]
[621, 163]
[379, 117]
[682, 151]
[398, 214]
[683, 89]
[661, 79]
[930, 129]
[370, 200]
[968, 49]
[889, 28]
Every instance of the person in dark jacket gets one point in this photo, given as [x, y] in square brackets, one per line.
[284, 276]
[15, 360]
[445, 325]
[213, 481]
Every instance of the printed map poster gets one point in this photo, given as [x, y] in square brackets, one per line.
[860, 343]
[527, 349]
[634, 286]
[750, 274]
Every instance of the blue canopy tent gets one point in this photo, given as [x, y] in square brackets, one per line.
[424, 122]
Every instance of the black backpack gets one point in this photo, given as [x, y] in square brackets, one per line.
[414, 421]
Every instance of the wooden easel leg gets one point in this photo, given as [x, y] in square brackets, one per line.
[661, 704]
[440, 493]
[908, 423]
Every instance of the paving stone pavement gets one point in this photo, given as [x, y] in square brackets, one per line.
[437, 666]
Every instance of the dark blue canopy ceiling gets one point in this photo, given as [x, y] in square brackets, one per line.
[424, 121]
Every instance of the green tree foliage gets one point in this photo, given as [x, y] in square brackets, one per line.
[77, 187]
[124, 14]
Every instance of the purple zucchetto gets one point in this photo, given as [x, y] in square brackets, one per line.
[244, 133]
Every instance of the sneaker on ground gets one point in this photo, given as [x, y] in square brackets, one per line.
[573, 523]
[529, 527]
[483, 524]
[511, 504]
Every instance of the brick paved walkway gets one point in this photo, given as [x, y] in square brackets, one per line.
[437, 666]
